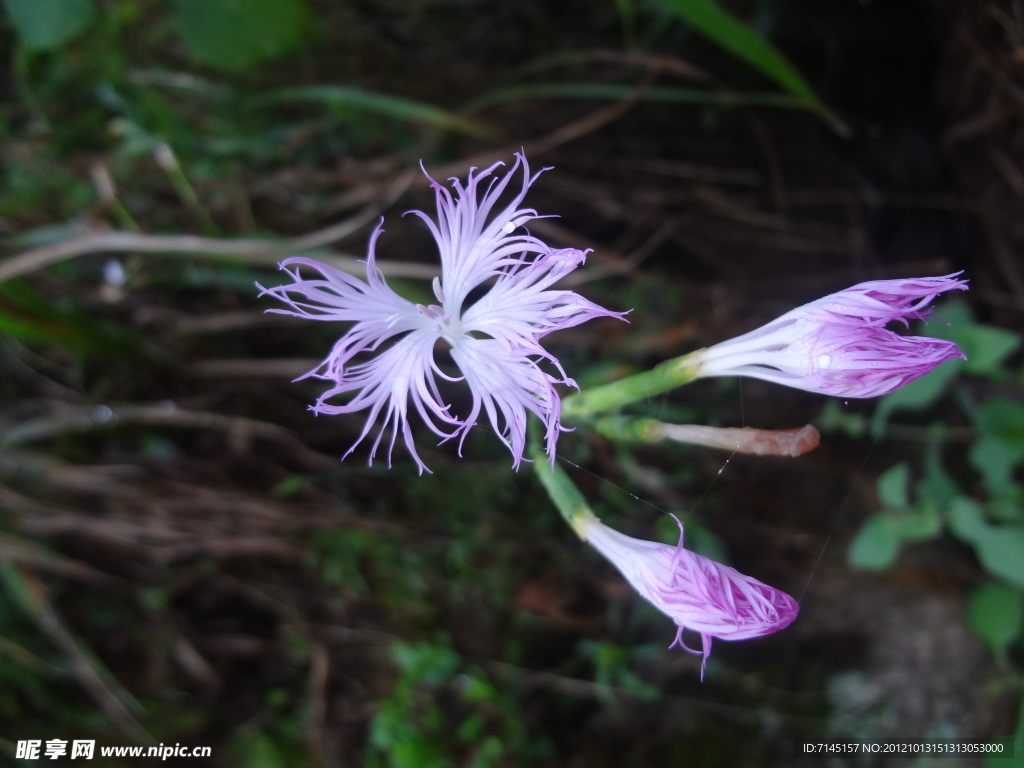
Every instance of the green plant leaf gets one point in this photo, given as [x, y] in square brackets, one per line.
[1000, 444]
[876, 544]
[995, 459]
[1001, 551]
[921, 522]
[725, 30]
[48, 24]
[996, 614]
[936, 488]
[892, 486]
[1000, 548]
[835, 418]
[986, 348]
[1007, 509]
[1001, 418]
[235, 34]
[950, 322]
[966, 519]
[915, 396]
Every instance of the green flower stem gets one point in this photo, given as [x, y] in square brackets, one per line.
[563, 492]
[629, 429]
[668, 375]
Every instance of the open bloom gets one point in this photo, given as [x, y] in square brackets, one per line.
[695, 592]
[839, 345]
[388, 359]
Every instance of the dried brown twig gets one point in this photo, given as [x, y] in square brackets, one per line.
[252, 250]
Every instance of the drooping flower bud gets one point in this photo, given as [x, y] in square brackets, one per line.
[695, 592]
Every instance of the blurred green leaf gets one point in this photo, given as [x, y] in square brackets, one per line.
[923, 522]
[835, 418]
[966, 518]
[996, 613]
[915, 396]
[892, 486]
[710, 20]
[950, 321]
[1000, 548]
[471, 729]
[995, 459]
[1000, 444]
[48, 24]
[936, 488]
[235, 34]
[876, 544]
[986, 347]
[1001, 551]
[427, 663]
[1006, 509]
[1001, 418]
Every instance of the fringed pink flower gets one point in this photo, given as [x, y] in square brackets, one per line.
[387, 362]
[696, 593]
[839, 345]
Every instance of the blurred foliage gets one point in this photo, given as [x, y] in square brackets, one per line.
[441, 710]
[48, 24]
[989, 521]
[982, 507]
[228, 34]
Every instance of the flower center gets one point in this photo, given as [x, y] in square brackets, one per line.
[445, 326]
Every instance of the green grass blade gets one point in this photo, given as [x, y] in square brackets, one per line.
[707, 18]
[343, 97]
[617, 91]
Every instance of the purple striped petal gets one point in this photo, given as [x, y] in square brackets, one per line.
[839, 345]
